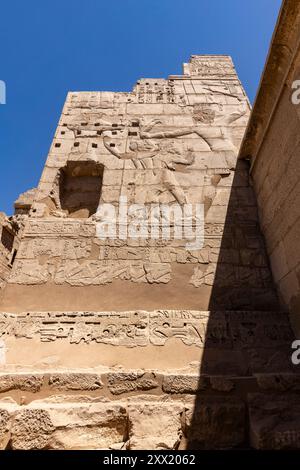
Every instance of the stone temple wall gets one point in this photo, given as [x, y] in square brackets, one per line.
[172, 142]
[9, 242]
[141, 341]
[272, 145]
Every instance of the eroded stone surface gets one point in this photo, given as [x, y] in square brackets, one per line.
[31, 429]
[26, 382]
[75, 381]
[5, 424]
[274, 421]
[215, 423]
[125, 382]
[154, 425]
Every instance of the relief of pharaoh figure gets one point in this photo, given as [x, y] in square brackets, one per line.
[160, 158]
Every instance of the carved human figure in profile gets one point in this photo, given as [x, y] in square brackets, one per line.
[160, 158]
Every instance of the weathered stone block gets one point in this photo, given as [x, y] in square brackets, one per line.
[31, 430]
[126, 382]
[75, 381]
[25, 382]
[183, 383]
[154, 425]
[274, 421]
[214, 422]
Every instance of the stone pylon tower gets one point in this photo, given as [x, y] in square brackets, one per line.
[124, 325]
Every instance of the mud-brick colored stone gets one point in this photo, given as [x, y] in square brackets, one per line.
[214, 423]
[154, 425]
[126, 382]
[25, 382]
[274, 421]
[31, 430]
[75, 381]
[183, 383]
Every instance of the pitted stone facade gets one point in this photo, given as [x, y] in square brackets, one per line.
[142, 341]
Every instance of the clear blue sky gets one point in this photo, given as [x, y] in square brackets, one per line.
[49, 47]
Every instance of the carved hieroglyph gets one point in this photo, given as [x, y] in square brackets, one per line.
[170, 141]
[232, 330]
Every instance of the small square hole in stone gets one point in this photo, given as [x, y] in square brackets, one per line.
[94, 146]
[57, 145]
[76, 144]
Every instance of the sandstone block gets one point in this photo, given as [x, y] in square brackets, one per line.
[75, 381]
[125, 382]
[274, 421]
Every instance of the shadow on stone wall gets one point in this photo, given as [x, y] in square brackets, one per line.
[247, 335]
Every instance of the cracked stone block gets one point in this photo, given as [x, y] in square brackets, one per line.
[154, 425]
[88, 426]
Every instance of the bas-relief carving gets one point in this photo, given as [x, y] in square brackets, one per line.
[230, 330]
[157, 142]
[90, 272]
[211, 66]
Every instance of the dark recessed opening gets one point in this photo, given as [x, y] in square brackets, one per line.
[7, 239]
[80, 186]
[84, 123]
[115, 125]
[132, 133]
[94, 146]
[13, 257]
[65, 125]
[99, 132]
[57, 145]
[112, 145]
[97, 123]
[63, 132]
[114, 133]
[76, 144]
[135, 124]
[78, 132]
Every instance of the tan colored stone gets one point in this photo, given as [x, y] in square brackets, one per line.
[154, 426]
[183, 384]
[126, 382]
[25, 382]
[31, 430]
[75, 381]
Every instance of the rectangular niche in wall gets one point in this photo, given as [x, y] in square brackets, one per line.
[7, 239]
[80, 186]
